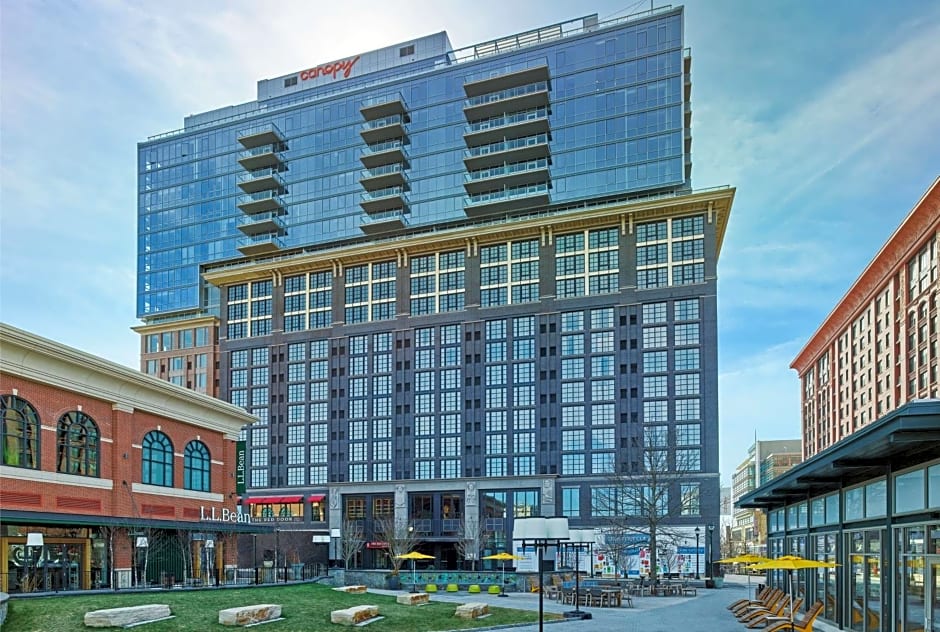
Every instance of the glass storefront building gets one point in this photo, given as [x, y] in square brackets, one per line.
[454, 286]
[870, 503]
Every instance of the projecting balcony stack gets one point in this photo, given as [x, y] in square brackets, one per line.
[263, 186]
[385, 158]
[687, 115]
[508, 133]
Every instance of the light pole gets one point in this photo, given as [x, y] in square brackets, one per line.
[698, 532]
[579, 539]
[541, 533]
[33, 541]
[711, 548]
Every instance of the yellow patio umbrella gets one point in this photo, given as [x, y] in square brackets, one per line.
[747, 558]
[791, 563]
[414, 555]
[503, 557]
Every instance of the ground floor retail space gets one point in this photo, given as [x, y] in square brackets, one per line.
[871, 505]
[45, 555]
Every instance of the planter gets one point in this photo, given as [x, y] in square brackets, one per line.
[393, 582]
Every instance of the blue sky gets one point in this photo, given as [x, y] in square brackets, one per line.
[823, 115]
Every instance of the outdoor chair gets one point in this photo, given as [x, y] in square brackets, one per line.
[803, 624]
[758, 598]
[766, 600]
[774, 608]
[760, 619]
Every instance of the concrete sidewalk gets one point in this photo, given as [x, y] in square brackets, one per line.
[705, 612]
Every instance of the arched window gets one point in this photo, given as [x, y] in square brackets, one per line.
[19, 432]
[77, 444]
[157, 460]
[196, 466]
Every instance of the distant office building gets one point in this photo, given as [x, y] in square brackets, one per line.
[878, 348]
[765, 461]
[110, 478]
[455, 286]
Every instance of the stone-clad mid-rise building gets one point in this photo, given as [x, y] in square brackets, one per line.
[455, 286]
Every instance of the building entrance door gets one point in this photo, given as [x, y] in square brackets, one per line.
[932, 593]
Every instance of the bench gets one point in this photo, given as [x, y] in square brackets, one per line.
[472, 610]
[413, 599]
[130, 615]
[249, 615]
[351, 589]
[354, 615]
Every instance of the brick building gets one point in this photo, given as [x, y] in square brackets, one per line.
[127, 479]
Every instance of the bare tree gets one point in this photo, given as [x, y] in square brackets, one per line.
[648, 497]
[400, 537]
[351, 540]
[471, 538]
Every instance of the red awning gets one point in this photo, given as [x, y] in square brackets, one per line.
[316, 499]
[265, 500]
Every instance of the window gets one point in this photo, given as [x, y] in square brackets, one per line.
[571, 502]
[157, 459]
[404, 51]
[77, 449]
[690, 499]
[196, 467]
[587, 263]
[19, 432]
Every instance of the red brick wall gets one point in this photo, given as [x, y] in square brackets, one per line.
[119, 462]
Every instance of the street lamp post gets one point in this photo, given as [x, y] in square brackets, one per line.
[698, 532]
[579, 539]
[541, 533]
[711, 549]
[34, 541]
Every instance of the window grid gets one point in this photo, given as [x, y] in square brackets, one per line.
[670, 252]
[509, 273]
[587, 263]
[437, 283]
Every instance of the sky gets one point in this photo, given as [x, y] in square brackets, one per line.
[824, 117]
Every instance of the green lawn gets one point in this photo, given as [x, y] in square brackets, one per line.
[305, 607]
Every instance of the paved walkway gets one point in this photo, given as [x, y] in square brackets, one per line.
[704, 612]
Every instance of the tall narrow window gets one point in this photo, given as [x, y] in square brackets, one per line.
[196, 466]
[157, 459]
[77, 444]
[19, 432]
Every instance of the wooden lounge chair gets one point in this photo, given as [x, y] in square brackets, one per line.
[803, 624]
[761, 619]
[767, 599]
[775, 609]
[774, 601]
[761, 594]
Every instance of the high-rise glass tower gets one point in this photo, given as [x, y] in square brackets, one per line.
[456, 286]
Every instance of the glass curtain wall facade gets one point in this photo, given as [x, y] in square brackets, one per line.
[457, 287]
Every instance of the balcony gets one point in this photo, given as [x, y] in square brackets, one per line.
[527, 123]
[515, 150]
[266, 134]
[382, 106]
[384, 153]
[506, 200]
[259, 202]
[384, 200]
[506, 81]
[392, 175]
[261, 223]
[526, 97]
[383, 222]
[261, 180]
[261, 157]
[259, 244]
[385, 128]
[507, 176]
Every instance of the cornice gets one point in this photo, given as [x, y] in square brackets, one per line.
[717, 203]
[43, 361]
